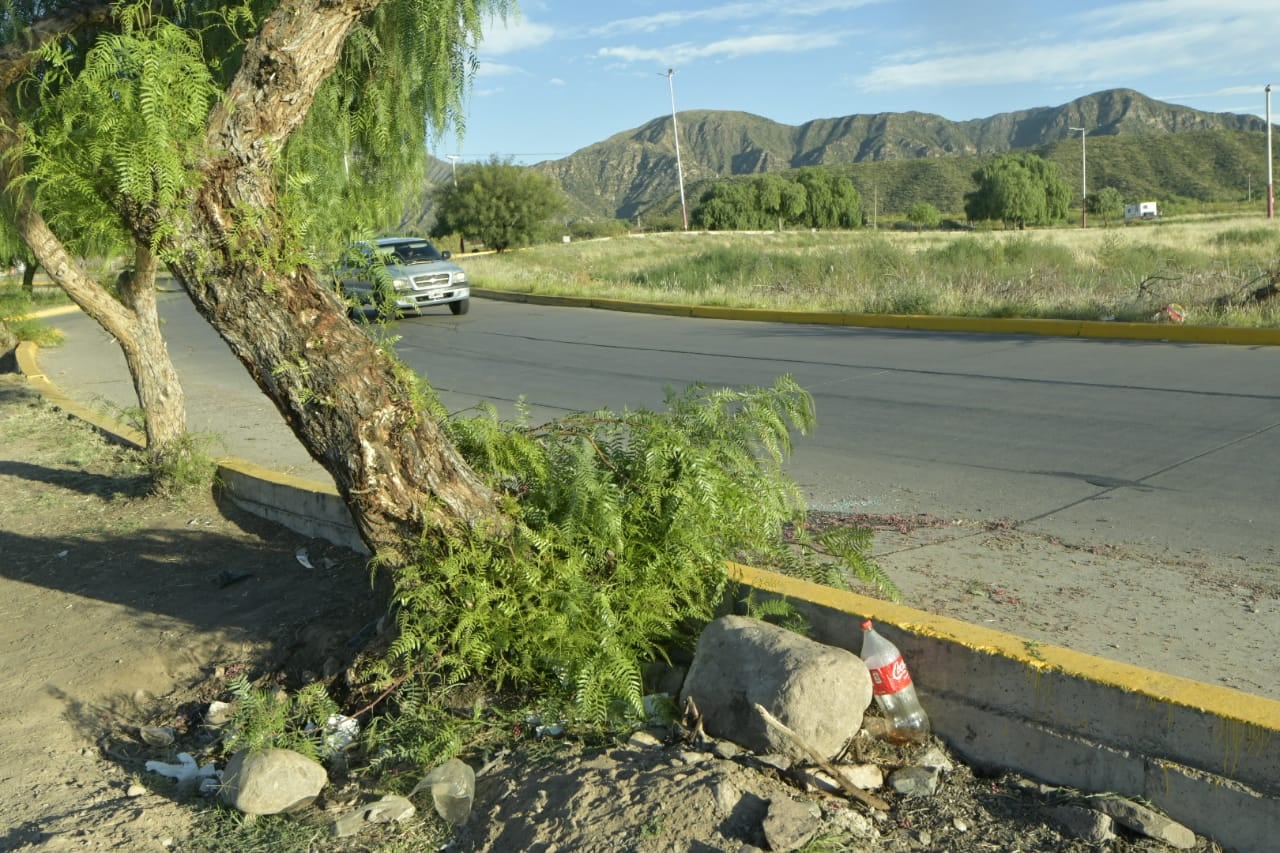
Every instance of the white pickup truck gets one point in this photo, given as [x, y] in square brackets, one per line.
[409, 270]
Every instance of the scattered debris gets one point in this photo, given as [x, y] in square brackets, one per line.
[1170, 313]
[453, 787]
[159, 736]
[186, 771]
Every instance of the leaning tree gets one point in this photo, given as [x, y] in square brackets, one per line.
[224, 224]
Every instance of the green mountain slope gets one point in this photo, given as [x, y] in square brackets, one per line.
[1142, 146]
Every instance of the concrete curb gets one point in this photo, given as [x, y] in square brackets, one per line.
[917, 322]
[1208, 756]
[303, 506]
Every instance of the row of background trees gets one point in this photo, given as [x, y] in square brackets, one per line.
[503, 205]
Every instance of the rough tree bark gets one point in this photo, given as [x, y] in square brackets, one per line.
[342, 396]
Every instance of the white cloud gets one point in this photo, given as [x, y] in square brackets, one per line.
[1226, 92]
[1130, 15]
[556, 81]
[726, 12]
[731, 48]
[515, 34]
[1185, 44]
[498, 69]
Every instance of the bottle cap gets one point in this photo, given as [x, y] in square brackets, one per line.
[866, 624]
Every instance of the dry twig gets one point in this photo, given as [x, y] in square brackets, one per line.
[869, 800]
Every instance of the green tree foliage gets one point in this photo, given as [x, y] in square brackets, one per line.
[1019, 190]
[924, 215]
[117, 127]
[1107, 203]
[625, 521]
[359, 162]
[498, 203]
[813, 198]
[727, 206]
[831, 200]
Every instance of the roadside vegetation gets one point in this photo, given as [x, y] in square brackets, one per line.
[1212, 267]
[16, 303]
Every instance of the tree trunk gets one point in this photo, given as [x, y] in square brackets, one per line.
[155, 380]
[349, 404]
[136, 326]
[29, 278]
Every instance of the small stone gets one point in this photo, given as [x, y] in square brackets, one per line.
[781, 763]
[868, 777]
[691, 758]
[925, 837]
[348, 824]
[726, 797]
[219, 713]
[135, 790]
[788, 824]
[643, 740]
[156, 735]
[916, 781]
[1085, 824]
[960, 824]
[1144, 820]
[934, 757]
[726, 749]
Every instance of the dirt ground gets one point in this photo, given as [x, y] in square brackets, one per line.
[121, 610]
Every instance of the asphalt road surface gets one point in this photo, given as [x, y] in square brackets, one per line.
[1153, 445]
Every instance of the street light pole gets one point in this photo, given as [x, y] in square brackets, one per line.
[1084, 183]
[453, 165]
[1271, 191]
[675, 131]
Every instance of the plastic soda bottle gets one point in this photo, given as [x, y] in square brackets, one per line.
[892, 688]
[453, 784]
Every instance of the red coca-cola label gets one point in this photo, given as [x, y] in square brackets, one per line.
[890, 678]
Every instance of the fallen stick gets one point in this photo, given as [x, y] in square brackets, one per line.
[869, 800]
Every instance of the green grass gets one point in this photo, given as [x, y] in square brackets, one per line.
[15, 304]
[1208, 265]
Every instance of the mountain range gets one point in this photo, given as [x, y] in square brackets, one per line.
[634, 173]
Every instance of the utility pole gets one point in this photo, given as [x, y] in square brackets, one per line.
[453, 165]
[1084, 184]
[675, 131]
[1271, 188]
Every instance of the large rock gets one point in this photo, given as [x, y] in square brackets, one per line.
[820, 692]
[271, 781]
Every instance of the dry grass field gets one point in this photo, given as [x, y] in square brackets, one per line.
[1211, 266]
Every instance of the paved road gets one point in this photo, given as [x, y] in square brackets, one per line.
[1163, 446]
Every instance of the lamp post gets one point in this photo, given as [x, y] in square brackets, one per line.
[1271, 191]
[675, 131]
[1084, 183]
[453, 166]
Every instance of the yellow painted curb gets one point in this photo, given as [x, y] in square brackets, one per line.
[1160, 332]
[1223, 702]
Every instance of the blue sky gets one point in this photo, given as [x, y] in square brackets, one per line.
[564, 74]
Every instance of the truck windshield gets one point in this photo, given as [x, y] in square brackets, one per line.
[417, 252]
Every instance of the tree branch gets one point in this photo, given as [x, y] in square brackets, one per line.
[870, 800]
